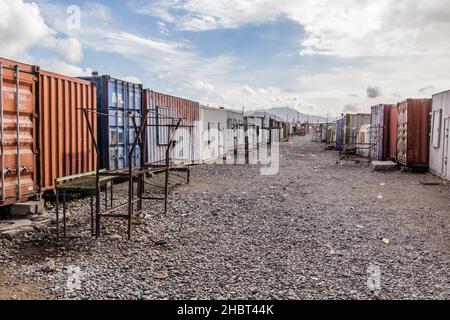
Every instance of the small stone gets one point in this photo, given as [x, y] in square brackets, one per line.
[115, 237]
[161, 275]
[50, 266]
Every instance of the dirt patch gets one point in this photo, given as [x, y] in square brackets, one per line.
[12, 289]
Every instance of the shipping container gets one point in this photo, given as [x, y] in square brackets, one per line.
[276, 132]
[118, 101]
[164, 112]
[440, 131]
[380, 131]
[235, 137]
[414, 132]
[351, 128]
[212, 132]
[287, 127]
[65, 145]
[331, 136]
[393, 132]
[18, 126]
[255, 126]
[364, 141]
[340, 132]
[44, 133]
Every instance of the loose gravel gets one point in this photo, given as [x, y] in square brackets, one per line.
[313, 231]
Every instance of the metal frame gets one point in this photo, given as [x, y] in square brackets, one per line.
[135, 175]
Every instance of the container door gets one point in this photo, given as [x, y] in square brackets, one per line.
[117, 127]
[445, 167]
[17, 132]
[402, 139]
[133, 107]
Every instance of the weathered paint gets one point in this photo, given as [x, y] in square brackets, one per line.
[18, 132]
[53, 137]
[379, 131]
[414, 132]
[393, 132]
[118, 101]
[340, 132]
[166, 110]
[440, 131]
[65, 145]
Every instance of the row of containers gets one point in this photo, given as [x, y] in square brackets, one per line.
[413, 133]
[45, 135]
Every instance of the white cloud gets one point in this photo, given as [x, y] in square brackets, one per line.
[21, 27]
[347, 28]
[70, 49]
[63, 67]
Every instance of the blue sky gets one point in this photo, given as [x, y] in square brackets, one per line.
[316, 56]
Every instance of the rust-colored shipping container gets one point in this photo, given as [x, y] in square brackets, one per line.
[18, 85]
[164, 110]
[393, 131]
[414, 132]
[65, 145]
[44, 135]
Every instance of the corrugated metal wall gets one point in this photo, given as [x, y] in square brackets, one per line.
[393, 131]
[414, 132]
[120, 100]
[162, 107]
[18, 132]
[380, 131]
[66, 147]
[340, 131]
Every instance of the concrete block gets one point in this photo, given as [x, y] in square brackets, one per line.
[8, 225]
[13, 234]
[27, 208]
[383, 166]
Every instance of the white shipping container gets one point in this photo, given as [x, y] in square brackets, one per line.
[440, 130]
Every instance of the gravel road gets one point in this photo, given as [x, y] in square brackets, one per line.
[314, 231]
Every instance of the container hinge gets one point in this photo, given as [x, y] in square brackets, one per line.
[36, 115]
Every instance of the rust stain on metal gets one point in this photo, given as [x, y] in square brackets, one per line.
[414, 132]
[18, 131]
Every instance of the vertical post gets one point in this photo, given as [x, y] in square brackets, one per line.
[130, 192]
[17, 75]
[2, 145]
[97, 176]
[92, 216]
[247, 147]
[57, 213]
[166, 182]
[64, 214]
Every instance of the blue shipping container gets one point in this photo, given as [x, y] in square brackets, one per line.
[116, 134]
[340, 132]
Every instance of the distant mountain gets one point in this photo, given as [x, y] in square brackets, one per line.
[285, 114]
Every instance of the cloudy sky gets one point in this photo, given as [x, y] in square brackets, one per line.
[317, 56]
